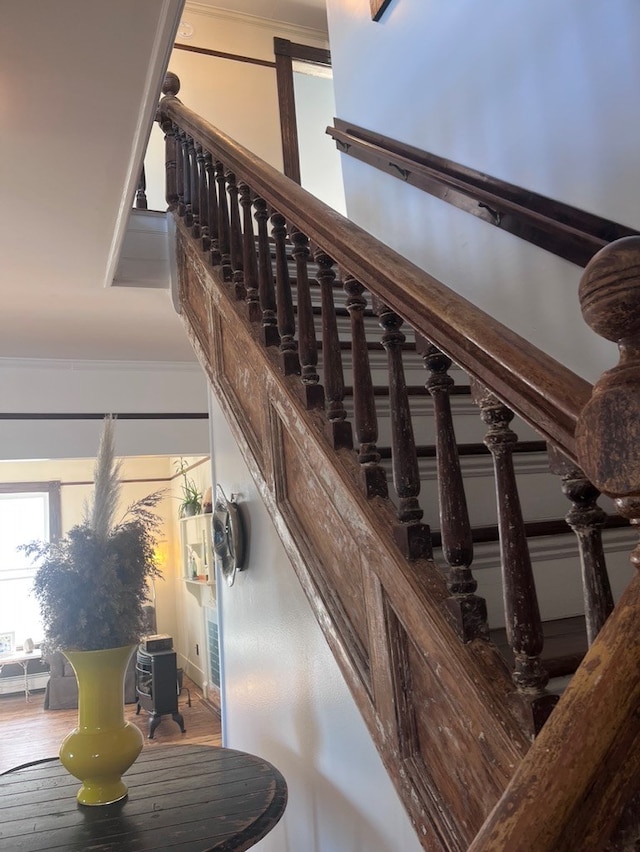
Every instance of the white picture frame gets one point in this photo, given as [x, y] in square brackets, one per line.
[7, 642]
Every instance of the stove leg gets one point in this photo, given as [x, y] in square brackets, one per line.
[177, 718]
[154, 721]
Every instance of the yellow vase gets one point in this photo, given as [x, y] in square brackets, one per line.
[103, 746]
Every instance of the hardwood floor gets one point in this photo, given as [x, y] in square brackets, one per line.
[29, 732]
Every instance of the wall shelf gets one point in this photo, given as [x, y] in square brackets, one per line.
[197, 556]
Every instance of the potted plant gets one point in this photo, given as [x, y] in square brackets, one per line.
[92, 586]
[191, 503]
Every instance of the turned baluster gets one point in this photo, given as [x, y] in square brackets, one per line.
[235, 237]
[178, 135]
[586, 519]
[338, 429]
[270, 336]
[186, 182]
[374, 477]
[284, 301]
[170, 88]
[171, 177]
[522, 614]
[468, 610]
[195, 190]
[212, 209]
[203, 198]
[224, 239]
[249, 257]
[307, 345]
[141, 192]
[412, 536]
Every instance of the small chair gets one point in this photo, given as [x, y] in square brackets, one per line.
[180, 673]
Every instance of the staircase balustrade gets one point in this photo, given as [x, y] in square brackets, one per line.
[226, 199]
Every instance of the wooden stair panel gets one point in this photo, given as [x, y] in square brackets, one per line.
[359, 584]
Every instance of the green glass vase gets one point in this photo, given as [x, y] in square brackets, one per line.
[103, 746]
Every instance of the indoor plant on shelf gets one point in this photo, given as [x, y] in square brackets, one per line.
[191, 503]
[92, 586]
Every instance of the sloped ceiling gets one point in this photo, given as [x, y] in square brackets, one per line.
[79, 81]
[78, 86]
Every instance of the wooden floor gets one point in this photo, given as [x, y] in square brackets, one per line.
[29, 732]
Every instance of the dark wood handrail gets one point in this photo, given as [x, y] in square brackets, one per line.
[538, 388]
[552, 225]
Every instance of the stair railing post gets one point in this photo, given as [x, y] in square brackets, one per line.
[224, 241]
[203, 198]
[412, 536]
[586, 519]
[195, 190]
[270, 336]
[286, 318]
[170, 89]
[141, 191]
[582, 773]
[468, 610]
[374, 477]
[522, 614]
[339, 430]
[186, 179]
[307, 343]
[608, 429]
[249, 257]
[212, 209]
[235, 235]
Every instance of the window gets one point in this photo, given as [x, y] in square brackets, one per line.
[28, 511]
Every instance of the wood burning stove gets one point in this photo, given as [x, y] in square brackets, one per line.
[157, 686]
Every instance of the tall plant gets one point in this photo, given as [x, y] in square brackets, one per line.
[92, 584]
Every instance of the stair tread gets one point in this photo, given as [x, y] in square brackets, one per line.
[429, 450]
[565, 644]
[533, 529]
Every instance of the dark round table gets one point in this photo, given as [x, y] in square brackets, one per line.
[181, 798]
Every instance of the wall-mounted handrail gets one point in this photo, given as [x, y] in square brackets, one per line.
[537, 387]
[566, 231]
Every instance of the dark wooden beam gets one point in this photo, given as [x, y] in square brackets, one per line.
[285, 52]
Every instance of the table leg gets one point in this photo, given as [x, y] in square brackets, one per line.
[24, 665]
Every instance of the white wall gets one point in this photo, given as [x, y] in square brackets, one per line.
[239, 98]
[285, 699]
[535, 92]
[320, 170]
[37, 386]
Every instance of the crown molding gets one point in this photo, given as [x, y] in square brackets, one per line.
[294, 31]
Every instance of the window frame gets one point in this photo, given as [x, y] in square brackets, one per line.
[52, 489]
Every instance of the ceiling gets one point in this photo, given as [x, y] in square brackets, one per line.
[302, 13]
[78, 87]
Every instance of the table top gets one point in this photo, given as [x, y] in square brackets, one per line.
[20, 657]
[181, 798]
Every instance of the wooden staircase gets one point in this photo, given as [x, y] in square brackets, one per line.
[391, 578]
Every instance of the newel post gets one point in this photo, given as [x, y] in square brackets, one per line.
[574, 784]
[608, 431]
[170, 89]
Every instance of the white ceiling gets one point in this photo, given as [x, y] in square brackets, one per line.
[302, 13]
[79, 81]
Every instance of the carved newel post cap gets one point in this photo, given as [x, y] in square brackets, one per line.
[610, 290]
[171, 85]
[608, 429]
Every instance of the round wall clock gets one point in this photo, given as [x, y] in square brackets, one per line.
[228, 536]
